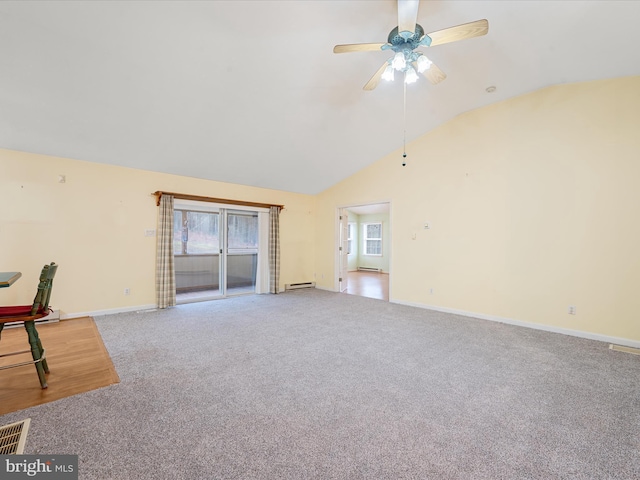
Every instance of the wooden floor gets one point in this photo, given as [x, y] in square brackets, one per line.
[77, 358]
[369, 284]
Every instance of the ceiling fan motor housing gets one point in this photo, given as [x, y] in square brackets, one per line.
[406, 42]
[401, 41]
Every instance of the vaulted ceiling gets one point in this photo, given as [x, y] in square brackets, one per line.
[250, 92]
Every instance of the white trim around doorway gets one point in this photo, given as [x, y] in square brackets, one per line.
[336, 242]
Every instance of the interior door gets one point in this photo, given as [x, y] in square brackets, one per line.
[343, 251]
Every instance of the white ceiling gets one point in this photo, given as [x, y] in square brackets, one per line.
[250, 92]
[369, 209]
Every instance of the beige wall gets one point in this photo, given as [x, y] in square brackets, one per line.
[533, 203]
[93, 227]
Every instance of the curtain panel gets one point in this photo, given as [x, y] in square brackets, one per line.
[274, 249]
[263, 277]
[165, 270]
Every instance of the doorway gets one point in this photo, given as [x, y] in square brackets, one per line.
[216, 250]
[364, 250]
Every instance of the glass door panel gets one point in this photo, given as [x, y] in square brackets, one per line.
[196, 249]
[242, 252]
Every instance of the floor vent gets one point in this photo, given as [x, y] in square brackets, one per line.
[369, 269]
[295, 286]
[621, 348]
[13, 437]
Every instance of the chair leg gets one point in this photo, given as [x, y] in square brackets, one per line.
[36, 351]
[1, 327]
[45, 366]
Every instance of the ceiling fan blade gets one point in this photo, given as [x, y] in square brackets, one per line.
[461, 32]
[407, 15]
[433, 73]
[375, 80]
[357, 47]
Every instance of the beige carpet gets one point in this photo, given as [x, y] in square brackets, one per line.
[318, 385]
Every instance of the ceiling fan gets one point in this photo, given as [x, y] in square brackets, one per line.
[405, 39]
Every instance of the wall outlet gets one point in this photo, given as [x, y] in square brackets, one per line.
[150, 232]
[127, 291]
[572, 310]
[431, 291]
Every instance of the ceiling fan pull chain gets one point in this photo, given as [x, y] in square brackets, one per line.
[404, 121]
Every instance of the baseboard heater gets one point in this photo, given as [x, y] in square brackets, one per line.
[622, 348]
[53, 317]
[296, 286]
[369, 269]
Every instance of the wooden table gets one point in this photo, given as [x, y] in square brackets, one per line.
[8, 278]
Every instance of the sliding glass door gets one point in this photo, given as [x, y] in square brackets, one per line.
[215, 252]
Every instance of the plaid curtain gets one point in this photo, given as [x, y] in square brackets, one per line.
[165, 275]
[274, 249]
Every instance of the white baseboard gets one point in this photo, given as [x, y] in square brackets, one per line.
[510, 321]
[51, 318]
[536, 326]
[109, 311]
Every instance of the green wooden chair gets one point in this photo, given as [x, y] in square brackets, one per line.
[28, 314]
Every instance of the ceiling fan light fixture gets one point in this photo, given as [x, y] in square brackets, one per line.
[423, 63]
[388, 74]
[398, 62]
[410, 76]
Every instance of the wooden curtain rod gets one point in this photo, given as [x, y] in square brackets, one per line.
[225, 201]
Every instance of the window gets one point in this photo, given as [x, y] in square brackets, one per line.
[243, 231]
[372, 239]
[351, 231]
[195, 232]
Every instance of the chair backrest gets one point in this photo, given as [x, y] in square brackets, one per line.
[41, 301]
